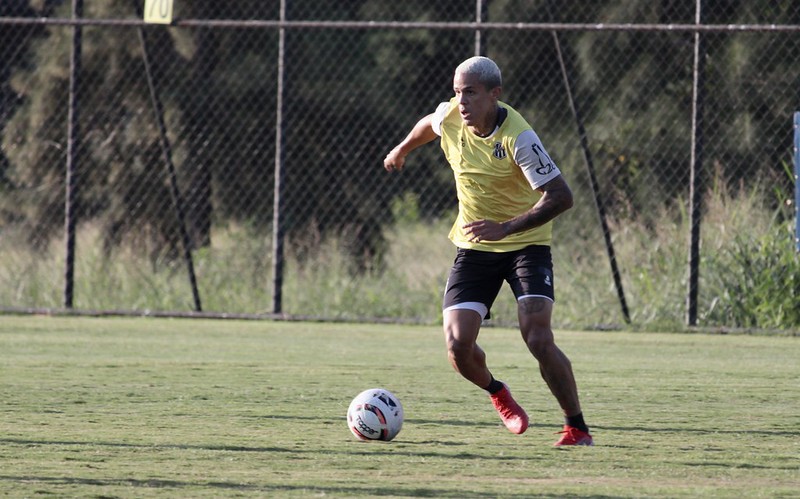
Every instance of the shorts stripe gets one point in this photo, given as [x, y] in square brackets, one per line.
[470, 305]
[520, 298]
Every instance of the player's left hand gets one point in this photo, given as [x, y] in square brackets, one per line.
[485, 230]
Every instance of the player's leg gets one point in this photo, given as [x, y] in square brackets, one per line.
[556, 369]
[531, 279]
[534, 320]
[461, 327]
[471, 289]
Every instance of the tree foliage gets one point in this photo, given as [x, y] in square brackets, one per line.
[350, 95]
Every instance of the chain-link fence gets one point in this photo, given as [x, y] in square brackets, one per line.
[232, 162]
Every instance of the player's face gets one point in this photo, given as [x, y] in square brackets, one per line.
[476, 103]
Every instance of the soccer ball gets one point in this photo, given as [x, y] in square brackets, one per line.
[375, 414]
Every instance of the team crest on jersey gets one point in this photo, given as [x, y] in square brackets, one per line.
[499, 151]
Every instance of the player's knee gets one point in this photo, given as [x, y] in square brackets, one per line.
[540, 343]
[458, 351]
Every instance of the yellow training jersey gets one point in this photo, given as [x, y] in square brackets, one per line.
[496, 176]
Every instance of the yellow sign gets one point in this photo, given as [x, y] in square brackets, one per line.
[158, 11]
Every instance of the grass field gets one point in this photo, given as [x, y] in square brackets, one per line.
[194, 408]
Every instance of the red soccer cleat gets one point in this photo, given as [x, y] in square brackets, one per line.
[573, 436]
[513, 416]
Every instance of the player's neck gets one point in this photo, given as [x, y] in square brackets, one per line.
[488, 126]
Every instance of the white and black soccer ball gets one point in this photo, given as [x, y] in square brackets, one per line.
[375, 414]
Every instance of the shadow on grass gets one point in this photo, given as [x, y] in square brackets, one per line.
[397, 448]
[556, 428]
[443, 422]
[395, 491]
[124, 445]
[698, 431]
[404, 443]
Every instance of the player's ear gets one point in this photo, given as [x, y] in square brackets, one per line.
[496, 91]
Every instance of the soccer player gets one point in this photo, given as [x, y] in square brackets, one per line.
[509, 192]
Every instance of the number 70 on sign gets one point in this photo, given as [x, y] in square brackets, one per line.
[158, 11]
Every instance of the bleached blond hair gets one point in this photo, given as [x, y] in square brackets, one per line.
[484, 68]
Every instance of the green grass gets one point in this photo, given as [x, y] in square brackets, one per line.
[196, 408]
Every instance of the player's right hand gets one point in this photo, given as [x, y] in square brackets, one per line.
[394, 161]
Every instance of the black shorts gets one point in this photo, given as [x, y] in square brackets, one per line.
[477, 276]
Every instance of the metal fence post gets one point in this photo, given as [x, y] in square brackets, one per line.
[277, 208]
[797, 180]
[73, 143]
[481, 13]
[166, 148]
[696, 166]
[589, 162]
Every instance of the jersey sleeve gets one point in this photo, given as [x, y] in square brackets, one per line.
[438, 117]
[534, 161]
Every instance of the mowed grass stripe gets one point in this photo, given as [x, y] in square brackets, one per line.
[195, 408]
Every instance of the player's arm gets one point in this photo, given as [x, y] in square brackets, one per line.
[556, 199]
[421, 134]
